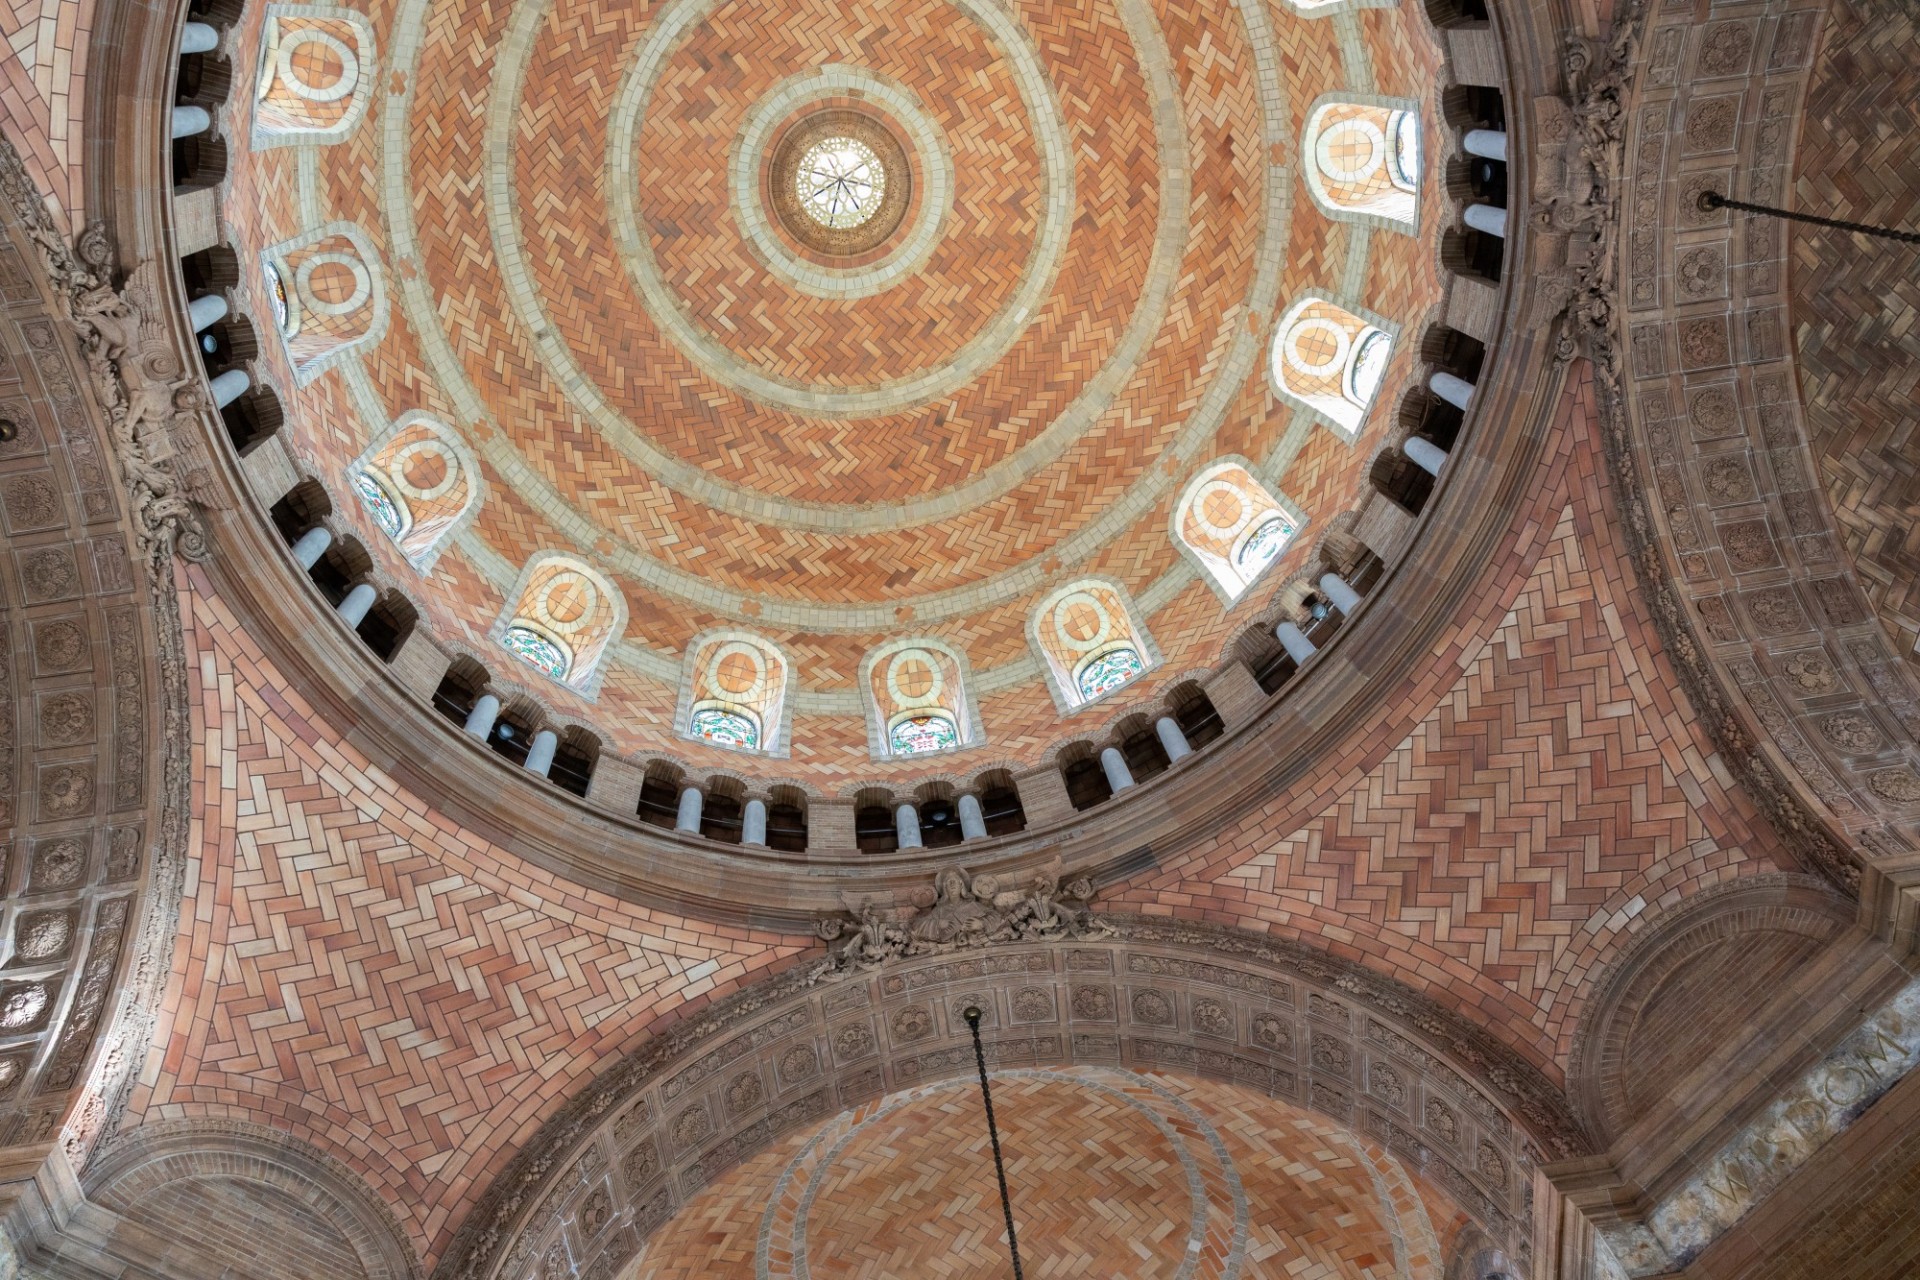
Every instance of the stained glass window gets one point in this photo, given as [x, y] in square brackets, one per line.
[1403, 152]
[380, 504]
[1258, 551]
[1369, 366]
[1109, 671]
[920, 734]
[537, 651]
[726, 728]
[277, 293]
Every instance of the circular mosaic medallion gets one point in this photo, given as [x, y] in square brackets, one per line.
[839, 182]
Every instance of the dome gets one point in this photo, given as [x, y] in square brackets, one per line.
[676, 373]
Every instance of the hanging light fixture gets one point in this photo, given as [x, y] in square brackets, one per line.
[972, 1014]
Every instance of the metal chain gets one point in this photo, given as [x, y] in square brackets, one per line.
[993, 1132]
[1714, 200]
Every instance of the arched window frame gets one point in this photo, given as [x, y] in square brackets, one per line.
[1339, 211]
[956, 704]
[1063, 674]
[772, 716]
[423, 552]
[310, 353]
[588, 660]
[353, 31]
[1339, 409]
[1223, 573]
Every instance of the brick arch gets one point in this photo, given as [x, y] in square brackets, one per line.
[260, 1194]
[1687, 984]
[1276, 1018]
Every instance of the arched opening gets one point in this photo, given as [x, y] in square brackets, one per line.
[722, 811]
[1085, 779]
[660, 796]
[787, 820]
[874, 825]
[1194, 712]
[1000, 803]
[460, 688]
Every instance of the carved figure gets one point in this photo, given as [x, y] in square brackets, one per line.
[962, 913]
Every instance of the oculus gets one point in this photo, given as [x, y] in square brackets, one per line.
[839, 183]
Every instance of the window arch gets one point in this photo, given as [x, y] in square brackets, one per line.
[329, 296]
[1089, 643]
[1233, 526]
[1330, 361]
[317, 74]
[917, 700]
[734, 693]
[1362, 162]
[561, 620]
[419, 485]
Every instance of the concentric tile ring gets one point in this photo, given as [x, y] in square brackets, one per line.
[923, 137]
[668, 31]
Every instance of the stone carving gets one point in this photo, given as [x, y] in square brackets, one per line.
[42, 936]
[1212, 1018]
[641, 1165]
[1093, 1002]
[1810, 672]
[595, 1213]
[1710, 124]
[744, 1091]
[1033, 1004]
[636, 1119]
[799, 1063]
[123, 854]
[1270, 1032]
[139, 382]
[1776, 611]
[1718, 621]
[1728, 480]
[1726, 49]
[66, 718]
[1442, 1120]
[1851, 732]
[965, 912]
[31, 503]
[1154, 1008]
[1896, 786]
[66, 791]
[1387, 1084]
[692, 1125]
[1492, 1165]
[1748, 545]
[1703, 272]
[1703, 342]
[1712, 414]
[1331, 1055]
[60, 646]
[915, 1023]
[49, 573]
[855, 1040]
[23, 1006]
[60, 863]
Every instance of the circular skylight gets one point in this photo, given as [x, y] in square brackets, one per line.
[840, 182]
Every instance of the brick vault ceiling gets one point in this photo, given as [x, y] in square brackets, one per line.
[1112, 1174]
[652, 378]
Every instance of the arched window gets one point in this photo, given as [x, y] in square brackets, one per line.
[1330, 361]
[561, 620]
[1233, 526]
[1088, 642]
[733, 692]
[1363, 162]
[916, 694]
[329, 296]
[316, 75]
[1108, 671]
[921, 734]
[538, 650]
[419, 485]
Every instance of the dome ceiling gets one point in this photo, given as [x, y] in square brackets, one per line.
[621, 394]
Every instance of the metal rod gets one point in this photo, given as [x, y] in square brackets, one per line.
[993, 1132]
[1714, 200]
